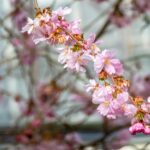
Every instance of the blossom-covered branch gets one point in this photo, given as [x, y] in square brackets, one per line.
[109, 88]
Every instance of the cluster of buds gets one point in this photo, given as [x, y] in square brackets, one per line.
[109, 89]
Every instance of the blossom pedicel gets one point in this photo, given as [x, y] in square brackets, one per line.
[110, 89]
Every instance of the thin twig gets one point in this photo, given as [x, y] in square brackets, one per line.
[107, 23]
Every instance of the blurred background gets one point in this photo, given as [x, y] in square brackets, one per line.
[45, 107]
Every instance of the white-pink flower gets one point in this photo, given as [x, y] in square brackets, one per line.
[73, 27]
[62, 11]
[146, 107]
[105, 108]
[42, 34]
[120, 101]
[109, 106]
[92, 86]
[130, 110]
[102, 93]
[64, 54]
[76, 62]
[29, 26]
[106, 61]
[147, 130]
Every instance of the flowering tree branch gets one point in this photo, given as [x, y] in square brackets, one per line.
[51, 101]
[111, 91]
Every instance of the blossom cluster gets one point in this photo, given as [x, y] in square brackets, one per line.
[109, 88]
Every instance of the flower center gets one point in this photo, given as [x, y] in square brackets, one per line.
[107, 61]
[106, 103]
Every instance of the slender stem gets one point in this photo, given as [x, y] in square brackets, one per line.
[36, 6]
[103, 29]
[67, 32]
[73, 38]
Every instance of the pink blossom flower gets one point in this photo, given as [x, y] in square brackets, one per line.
[106, 61]
[92, 86]
[137, 128]
[76, 62]
[112, 107]
[42, 34]
[90, 42]
[146, 107]
[62, 11]
[102, 93]
[130, 110]
[120, 101]
[37, 24]
[73, 27]
[106, 108]
[91, 47]
[108, 105]
[147, 130]
[29, 26]
[64, 54]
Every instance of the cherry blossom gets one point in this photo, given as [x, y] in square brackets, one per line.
[110, 89]
[139, 128]
[106, 61]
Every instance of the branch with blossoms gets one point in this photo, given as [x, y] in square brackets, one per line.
[109, 88]
[54, 107]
